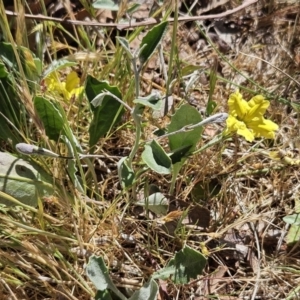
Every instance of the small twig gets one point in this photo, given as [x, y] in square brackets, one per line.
[150, 21]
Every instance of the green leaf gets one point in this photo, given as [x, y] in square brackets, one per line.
[72, 168]
[205, 189]
[294, 292]
[292, 219]
[13, 115]
[156, 158]
[180, 153]
[106, 4]
[189, 69]
[106, 115]
[126, 174]
[51, 117]
[147, 292]
[153, 101]
[103, 295]
[39, 66]
[24, 181]
[211, 105]
[151, 40]
[156, 202]
[293, 235]
[185, 115]
[296, 107]
[187, 264]
[12, 109]
[7, 55]
[124, 43]
[98, 274]
[3, 71]
[134, 7]
[27, 59]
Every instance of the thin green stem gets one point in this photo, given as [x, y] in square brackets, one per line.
[217, 139]
[118, 99]
[136, 114]
[217, 118]
[170, 67]
[175, 172]
[136, 77]
[138, 132]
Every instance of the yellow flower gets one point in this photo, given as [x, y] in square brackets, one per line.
[246, 118]
[67, 89]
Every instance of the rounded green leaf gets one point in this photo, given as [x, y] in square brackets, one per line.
[156, 158]
[292, 219]
[126, 174]
[147, 292]
[24, 181]
[99, 275]
[186, 265]
[185, 115]
[106, 4]
[156, 202]
[50, 116]
[153, 101]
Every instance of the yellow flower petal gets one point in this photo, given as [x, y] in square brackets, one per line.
[76, 92]
[246, 133]
[72, 81]
[262, 123]
[234, 125]
[269, 125]
[238, 107]
[66, 89]
[54, 84]
[246, 118]
[264, 128]
[259, 100]
[258, 106]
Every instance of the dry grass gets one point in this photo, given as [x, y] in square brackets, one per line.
[239, 226]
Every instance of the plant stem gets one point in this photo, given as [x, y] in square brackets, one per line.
[119, 100]
[170, 67]
[217, 118]
[217, 139]
[136, 77]
[136, 114]
[138, 132]
[175, 172]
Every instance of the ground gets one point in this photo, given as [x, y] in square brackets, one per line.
[229, 201]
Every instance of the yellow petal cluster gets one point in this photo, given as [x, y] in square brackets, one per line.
[68, 89]
[247, 118]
